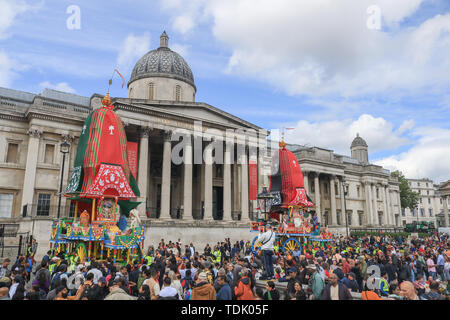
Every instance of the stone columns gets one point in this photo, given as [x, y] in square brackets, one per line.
[399, 208]
[166, 176]
[143, 170]
[368, 204]
[236, 188]
[244, 189]
[317, 196]
[388, 205]
[227, 183]
[385, 206]
[445, 200]
[208, 183]
[187, 181]
[343, 205]
[355, 218]
[333, 200]
[375, 206]
[30, 169]
[306, 181]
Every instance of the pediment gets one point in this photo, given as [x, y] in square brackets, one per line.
[192, 111]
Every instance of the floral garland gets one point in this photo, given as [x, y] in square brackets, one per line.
[127, 244]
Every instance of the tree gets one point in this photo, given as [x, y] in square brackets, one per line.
[408, 198]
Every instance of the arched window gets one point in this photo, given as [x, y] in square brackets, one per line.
[130, 93]
[177, 93]
[151, 91]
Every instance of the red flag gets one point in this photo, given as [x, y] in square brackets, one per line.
[253, 179]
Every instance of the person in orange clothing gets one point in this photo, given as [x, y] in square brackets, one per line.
[243, 291]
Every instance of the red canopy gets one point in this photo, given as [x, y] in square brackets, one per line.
[110, 180]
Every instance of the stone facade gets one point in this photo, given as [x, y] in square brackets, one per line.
[444, 216]
[430, 203]
[371, 198]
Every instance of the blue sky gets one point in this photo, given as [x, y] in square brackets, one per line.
[274, 63]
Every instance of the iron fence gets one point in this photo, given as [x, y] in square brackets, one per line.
[51, 211]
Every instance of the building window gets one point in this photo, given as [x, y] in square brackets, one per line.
[403, 212]
[427, 184]
[378, 193]
[177, 93]
[430, 211]
[420, 200]
[49, 153]
[418, 184]
[325, 217]
[358, 191]
[360, 219]
[72, 209]
[414, 212]
[6, 205]
[151, 91]
[404, 223]
[422, 212]
[336, 189]
[349, 218]
[43, 207]
[325, 188]
[338, 218]
[428, 192]
[12, 153]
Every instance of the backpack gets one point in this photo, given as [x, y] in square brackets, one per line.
[56, 279]
[185, 283]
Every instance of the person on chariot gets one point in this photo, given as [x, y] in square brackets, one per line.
[297, 219]
[284, 223]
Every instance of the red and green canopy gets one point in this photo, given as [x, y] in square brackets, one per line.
[101, 163]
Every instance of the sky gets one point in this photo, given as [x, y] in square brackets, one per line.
[327, 68]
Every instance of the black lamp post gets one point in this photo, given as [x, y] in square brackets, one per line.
[262, 199]
[344, 185]
[64, 149]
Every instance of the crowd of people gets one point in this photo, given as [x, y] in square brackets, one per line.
[372, 267]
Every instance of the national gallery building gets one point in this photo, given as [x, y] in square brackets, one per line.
[194, 200]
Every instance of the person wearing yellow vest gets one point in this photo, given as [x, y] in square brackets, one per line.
[148, 259]
[218, 255]
[53, 265]
[384, 286]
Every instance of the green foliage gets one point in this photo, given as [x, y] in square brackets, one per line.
[408, 198]
[392, 234]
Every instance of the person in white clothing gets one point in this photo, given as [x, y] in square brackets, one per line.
[267, 240]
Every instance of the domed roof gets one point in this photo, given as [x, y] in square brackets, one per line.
[162, 62]
[358, 142]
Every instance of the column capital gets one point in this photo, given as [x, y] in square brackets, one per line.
[144, 132]
[69, 138]
[35, 132]
[167, 135]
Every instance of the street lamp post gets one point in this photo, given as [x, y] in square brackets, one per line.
[262, 198]
[64, 149]
[344, 185]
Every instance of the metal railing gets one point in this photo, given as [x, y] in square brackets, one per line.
[51, 211]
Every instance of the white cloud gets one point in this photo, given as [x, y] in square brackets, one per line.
[319, 47]
[132, 49]
[8, 12]
[61, 86]
[338, 135]
[181, 49]
[428, 158]
[7, 67]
